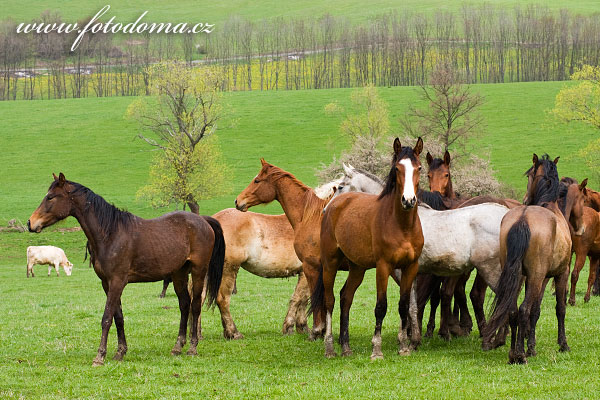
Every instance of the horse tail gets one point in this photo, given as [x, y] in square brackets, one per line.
[509, 284]
[217, 259]
[317, 297]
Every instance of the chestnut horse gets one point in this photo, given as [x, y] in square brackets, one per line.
[586, 245]
[592, 199]
[126, 249]
[302, 207]
[364, 231]
[535, 245]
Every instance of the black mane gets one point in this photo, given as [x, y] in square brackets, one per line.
[110, 218]
[390, 182]
[434, 200]
[546, 190]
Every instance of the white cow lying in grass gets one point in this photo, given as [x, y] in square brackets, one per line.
[53, 256]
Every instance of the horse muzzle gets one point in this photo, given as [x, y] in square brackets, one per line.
[241, 207]
[36, 229]
[581, 230]
[408, 204]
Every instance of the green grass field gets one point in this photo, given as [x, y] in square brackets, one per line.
[218, 12]
[50, 327]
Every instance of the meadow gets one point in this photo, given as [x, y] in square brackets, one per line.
[218, 12]
[50, 327]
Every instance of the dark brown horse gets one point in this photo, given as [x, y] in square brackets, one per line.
[365, 231]
[127, 249]
[535, 245]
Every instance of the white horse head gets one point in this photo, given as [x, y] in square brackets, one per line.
[356, 180]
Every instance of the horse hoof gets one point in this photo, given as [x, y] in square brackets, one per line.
[586, 299]
[516, 358]
[288, 330]
[192, 352]
[572, 302]
[564, 348]
[347, 353]
[531, 353]
[428, 334]
[175, 352]
[231, 335]
[97, 362]
[330, 354]
[302, 328]
[314, 336]
[444, 336]
[118, 356]
[378, 356]
[404, 352]
[486, 346]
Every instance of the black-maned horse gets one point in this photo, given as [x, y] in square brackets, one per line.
[128, 249]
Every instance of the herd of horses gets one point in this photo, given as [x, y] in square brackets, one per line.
[427, 241]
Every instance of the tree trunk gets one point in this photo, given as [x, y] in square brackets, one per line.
[193, 205]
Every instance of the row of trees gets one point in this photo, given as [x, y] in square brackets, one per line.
[485, 44]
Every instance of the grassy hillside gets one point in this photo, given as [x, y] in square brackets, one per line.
[51, 326]
[92, 143]
[216, 12]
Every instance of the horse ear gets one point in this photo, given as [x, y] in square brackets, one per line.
[263, 162]
[583, 184]
[419, 146]
[397, 146]
[535, 159]
[447, 158]
[347, 170]
[556, 160]
[54, 176]
[61, 179]
[429, 158]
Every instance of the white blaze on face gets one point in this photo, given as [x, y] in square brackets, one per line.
[409, 188]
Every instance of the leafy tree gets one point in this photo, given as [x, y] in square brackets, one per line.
[581, 103]
[182, 118]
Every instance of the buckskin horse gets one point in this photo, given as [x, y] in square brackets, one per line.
[535, 245]
[364, 231]
[128, 249]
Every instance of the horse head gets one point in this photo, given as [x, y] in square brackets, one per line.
[55, 206]
[404, 174]
[439, 174]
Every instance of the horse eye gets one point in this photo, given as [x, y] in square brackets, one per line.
[50, 197]
[256, 181]
[420, 168]
[446, 175]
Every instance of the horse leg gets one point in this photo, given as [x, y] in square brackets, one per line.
[446, 298]
[166, 282]
[579, 263]
[596, 291]
[594, 263]
[198, 286]
[532, 290]
[560, 283]
[290, 317]
[382, 275]
[330, 269]
[477, 296]
[460, 299]
[355, 278]
[230, 272]
[312, 277]
[113, 299]
[303, 295]
[434, 302]
[405, 308]
[120, 324]
[180, 282]
[535, 315]
[30, 269]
